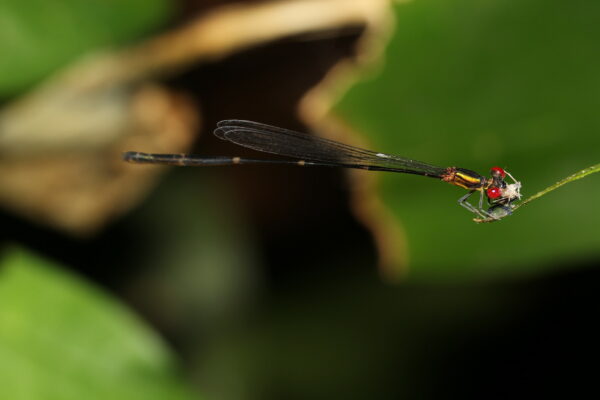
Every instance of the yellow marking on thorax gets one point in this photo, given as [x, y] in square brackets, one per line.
[235, 160]
[462, 179]
[467, 178]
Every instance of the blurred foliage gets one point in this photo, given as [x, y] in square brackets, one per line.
[62, 339]
[201, 271]
[37, 36]
[198, 260]
[476, 84]
[466, 83]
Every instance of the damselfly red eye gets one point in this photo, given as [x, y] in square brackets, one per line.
[494, 192]
[497, 171]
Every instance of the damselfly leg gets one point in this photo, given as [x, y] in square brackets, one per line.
[477, 211]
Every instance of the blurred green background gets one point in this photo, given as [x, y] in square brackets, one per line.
[260, 283]
[38, 37]
[479, 84]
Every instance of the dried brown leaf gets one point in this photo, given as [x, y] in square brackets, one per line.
[60, 144]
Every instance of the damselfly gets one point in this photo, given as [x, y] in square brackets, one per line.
[309, 150]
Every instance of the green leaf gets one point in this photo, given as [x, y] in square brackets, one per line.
[37, 37]
[476, 84]
[61, 338]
